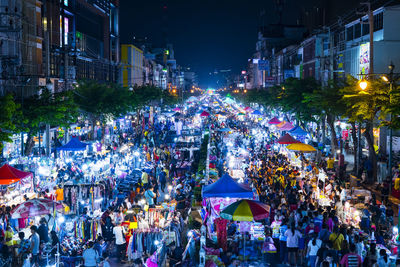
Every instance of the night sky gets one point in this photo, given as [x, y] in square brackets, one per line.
[207, 34]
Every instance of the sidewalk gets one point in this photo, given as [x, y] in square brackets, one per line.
[349, 160]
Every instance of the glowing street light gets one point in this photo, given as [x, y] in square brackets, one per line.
[363, 84]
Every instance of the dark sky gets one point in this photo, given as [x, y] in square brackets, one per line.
[206, 34]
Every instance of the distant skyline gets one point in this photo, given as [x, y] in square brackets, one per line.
[209, 34]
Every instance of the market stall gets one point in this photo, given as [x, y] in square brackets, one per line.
[14, 184]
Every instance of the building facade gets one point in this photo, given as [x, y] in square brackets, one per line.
[132, 66]
[54, 43]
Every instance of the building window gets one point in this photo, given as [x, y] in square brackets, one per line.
[357, 30]
[365, 27]
[349, 33]
[378, 21]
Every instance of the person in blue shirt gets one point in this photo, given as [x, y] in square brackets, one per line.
[282, 242]
[150, 195]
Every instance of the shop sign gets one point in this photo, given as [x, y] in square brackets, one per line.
[263, 65]
[288, 74]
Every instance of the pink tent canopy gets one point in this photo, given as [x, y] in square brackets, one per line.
[286, 140]
[204, 114]
[286, 127]
[176, 109]
[248, 109]
[274, 120]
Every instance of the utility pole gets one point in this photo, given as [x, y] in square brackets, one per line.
[48, 82]
[371, 63]
[390, 163]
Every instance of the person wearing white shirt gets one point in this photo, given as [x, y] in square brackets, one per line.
[292, 243]
[312, 249]
[119, 233]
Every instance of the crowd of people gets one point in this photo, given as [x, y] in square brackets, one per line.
[304, 232]
[158, 169]
[299, 230]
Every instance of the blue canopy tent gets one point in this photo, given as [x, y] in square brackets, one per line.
[227, 187]
[225, 130]
[256, 112]
[297, 131]
[73, 145]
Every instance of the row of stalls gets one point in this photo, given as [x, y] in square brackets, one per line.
[229, 205]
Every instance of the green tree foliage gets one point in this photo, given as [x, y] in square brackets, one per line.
[9, 112]
[328, 102]
[99, 101]
[147, 94]
[292, 95]
[366, 106]
[56, 109]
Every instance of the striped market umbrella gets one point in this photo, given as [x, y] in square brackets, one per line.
[246, 210]
[35, 207]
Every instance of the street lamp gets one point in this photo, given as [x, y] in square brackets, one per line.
[390, 79]
[363, 84]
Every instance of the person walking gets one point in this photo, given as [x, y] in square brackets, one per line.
[90, 256]
[292, 243]
[351, 259]
[120, 242]
[312, 248]
[150, 196]
[35, 244]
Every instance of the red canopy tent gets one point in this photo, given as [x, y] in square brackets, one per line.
[204, 114]
[286, 140]
[274, 120]
[10, 175]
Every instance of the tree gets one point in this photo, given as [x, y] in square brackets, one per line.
[9, 112]
[367, 107]
[291, 97]
[56, 109]
[99, 102]
[328, 101]
[146, 94]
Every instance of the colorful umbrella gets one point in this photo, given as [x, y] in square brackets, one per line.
[35, 207]
[285, 126]
[286, 140]
[204, 114]
[301, 147]
[241, 114]
[274, 120]
[245, 210]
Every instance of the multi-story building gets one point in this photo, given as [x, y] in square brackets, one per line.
[271, 40]
[20, 46]
[54, 43]
[83, 39]
[386, 42]
[132, 66]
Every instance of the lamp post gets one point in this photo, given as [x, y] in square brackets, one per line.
[390, 79]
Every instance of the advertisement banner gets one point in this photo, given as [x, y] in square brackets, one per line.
[364, 58]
